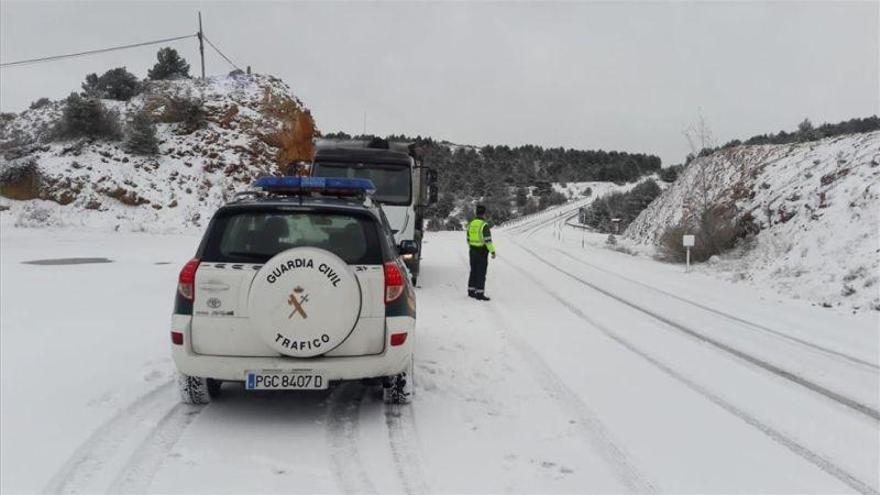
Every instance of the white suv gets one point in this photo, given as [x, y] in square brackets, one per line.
[296, 284]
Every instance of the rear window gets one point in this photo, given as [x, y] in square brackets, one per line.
[256, 236]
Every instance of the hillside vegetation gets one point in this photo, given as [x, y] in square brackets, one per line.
[802, 217]
[164, 158]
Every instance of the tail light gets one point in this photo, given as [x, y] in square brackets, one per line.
[394, 282]
[398, 339]
[186, 280]
[177, 338]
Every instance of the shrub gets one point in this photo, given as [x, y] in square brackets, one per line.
[40, 103]
[87, 117]
[189, 112]
[715, 231]
[170, 65]
[115, 84]
[141, 139]
[20, 180]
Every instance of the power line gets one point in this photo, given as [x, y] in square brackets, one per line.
[19, 63]
[221, 53]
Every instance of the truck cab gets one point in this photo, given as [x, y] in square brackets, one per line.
[404, 187]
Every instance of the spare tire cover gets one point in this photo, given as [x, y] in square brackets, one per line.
[304, 302]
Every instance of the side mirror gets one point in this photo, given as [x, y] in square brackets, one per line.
[408, 247]
[433, 195]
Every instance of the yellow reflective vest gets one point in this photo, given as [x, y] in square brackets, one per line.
[480, 235]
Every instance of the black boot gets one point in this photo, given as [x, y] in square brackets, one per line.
[472, 293]
[480, 296]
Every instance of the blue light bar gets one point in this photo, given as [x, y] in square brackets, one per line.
[305, 185]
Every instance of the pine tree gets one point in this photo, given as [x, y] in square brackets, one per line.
[806, 132]
[170, 65]
[87, 117]
[115, 84]
[141, 139]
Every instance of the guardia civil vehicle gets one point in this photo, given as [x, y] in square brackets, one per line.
[404, 186]
[297, 283]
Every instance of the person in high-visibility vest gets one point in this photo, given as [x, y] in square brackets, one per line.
[479, 238]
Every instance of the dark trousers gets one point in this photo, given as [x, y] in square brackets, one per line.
[479, 264]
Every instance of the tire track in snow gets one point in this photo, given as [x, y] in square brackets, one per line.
[591, 426]
[823, 463]
[342, 424]
[93, 456]
[754, 326]
[588, 421]
[145, 461]
[403, 439]
[836, 397]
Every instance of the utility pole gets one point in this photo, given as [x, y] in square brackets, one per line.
[365, 124]
[201, 45]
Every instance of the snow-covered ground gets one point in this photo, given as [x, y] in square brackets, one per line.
[589, 371]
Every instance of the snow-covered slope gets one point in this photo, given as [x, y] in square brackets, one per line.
[252, 126]
[817, 206]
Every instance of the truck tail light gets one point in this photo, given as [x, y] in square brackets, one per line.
[394, 282]
[186, 280]
[177, 338]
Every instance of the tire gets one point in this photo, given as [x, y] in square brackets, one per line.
[194, 390]
[399, 389]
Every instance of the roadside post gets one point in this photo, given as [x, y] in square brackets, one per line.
[615, 222]
[688, 241]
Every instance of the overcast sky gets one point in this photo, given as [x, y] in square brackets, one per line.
[624, 76]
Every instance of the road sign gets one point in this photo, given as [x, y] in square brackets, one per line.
[688, 240]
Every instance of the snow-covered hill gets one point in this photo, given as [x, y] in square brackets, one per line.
[817, 206]
[253, 126]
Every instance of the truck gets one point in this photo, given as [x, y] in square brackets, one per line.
[405, 187]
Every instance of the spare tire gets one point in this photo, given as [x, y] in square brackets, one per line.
[304, 302]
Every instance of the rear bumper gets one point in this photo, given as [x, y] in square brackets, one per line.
[391, 361]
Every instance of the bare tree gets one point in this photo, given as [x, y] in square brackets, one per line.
[708, 210]
[706, 170]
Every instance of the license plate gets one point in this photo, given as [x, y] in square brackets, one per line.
[284, 380]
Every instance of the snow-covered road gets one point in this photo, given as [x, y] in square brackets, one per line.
[589, 371]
